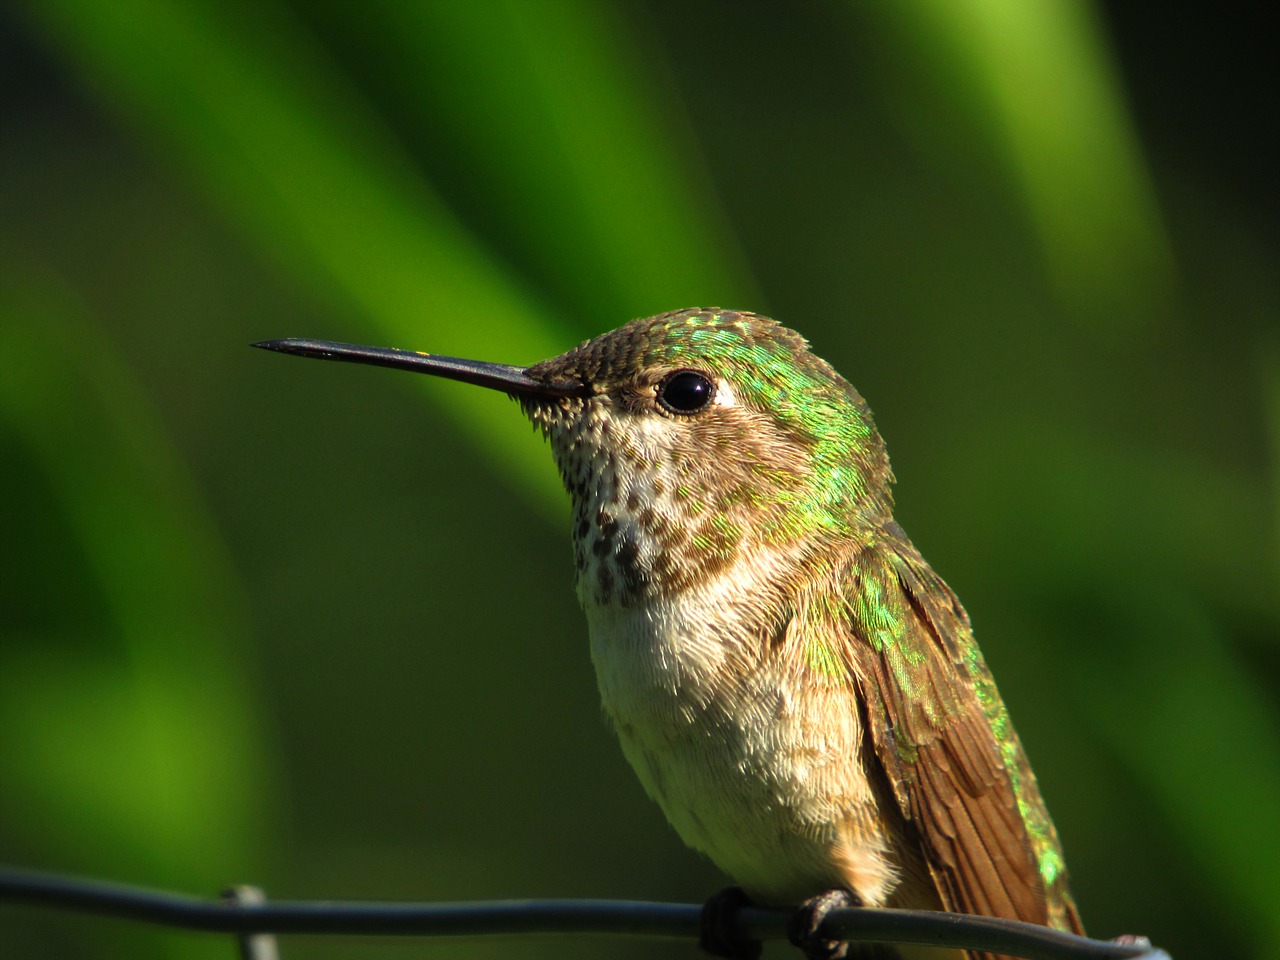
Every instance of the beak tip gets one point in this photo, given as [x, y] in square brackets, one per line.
[300, 347]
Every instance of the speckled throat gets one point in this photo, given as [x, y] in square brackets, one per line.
[639, 531]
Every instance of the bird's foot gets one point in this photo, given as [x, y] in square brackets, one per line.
[719, 931]
[803, 928]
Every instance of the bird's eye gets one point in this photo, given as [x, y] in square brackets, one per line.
[685, 392]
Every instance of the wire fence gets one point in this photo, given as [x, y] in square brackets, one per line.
[256, 921]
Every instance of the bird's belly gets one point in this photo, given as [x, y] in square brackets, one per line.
[758, 770]
[753, 821]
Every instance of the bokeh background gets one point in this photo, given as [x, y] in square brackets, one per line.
[312, 626]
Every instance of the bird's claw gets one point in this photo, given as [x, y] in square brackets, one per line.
[719, 930]
[803, 929]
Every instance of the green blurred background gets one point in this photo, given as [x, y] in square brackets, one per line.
[313, 627]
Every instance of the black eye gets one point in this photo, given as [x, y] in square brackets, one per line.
[685, 391]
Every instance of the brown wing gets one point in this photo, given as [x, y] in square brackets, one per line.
[944, 740]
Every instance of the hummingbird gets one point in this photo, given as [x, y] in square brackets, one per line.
[793, 684]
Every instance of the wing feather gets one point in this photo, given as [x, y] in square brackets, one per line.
[945, 743]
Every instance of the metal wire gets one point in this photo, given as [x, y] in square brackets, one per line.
[246, 912]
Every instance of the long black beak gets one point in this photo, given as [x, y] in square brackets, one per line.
[497, 376]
